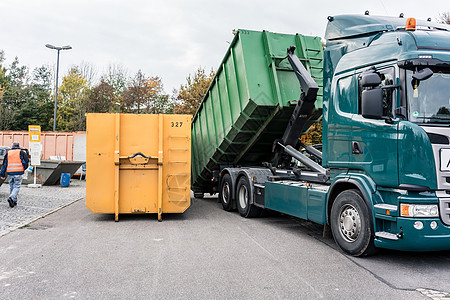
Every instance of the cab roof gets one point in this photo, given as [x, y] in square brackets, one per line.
[346, 26]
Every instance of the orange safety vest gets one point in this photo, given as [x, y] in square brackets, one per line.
[14, 161]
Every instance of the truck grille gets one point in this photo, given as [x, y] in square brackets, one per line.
[445, 210]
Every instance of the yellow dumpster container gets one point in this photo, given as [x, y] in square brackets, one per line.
[138, 163]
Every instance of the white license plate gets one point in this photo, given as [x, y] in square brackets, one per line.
[445, 159]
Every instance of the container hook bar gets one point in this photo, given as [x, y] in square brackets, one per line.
[139, 153]
[139, 159]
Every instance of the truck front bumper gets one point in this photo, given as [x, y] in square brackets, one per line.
[412, 239]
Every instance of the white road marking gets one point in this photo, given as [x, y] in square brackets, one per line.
[435, 295]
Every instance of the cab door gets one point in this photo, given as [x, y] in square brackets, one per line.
[338, 115]
[374, 143]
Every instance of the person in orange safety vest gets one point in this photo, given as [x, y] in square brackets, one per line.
[15, 163]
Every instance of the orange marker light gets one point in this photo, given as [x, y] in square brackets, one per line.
[411, 24]
[404, 210]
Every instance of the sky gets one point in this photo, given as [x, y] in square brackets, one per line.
[166, 38]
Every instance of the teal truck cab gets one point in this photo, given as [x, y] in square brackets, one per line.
[382, 179]
[388, 139]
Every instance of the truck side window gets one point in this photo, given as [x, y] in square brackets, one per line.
[387, 78]
[345, 90]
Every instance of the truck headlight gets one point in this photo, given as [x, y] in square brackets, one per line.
[419, 210]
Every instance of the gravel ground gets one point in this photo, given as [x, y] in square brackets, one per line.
[35, 203]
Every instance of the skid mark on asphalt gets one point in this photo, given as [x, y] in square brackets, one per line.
[273, 256]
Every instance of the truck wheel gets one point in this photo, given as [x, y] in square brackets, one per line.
[351, 224]
[198, 195]
[226, 186]
[243, 199]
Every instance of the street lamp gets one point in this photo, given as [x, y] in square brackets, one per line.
[56, 84]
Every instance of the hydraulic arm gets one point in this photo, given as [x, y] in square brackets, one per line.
[302, 111]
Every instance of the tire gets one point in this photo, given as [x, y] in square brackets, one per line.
[225, 193]
[351, 224]
[243, 199]
[198, 195]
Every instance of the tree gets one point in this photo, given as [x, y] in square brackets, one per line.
[191, 94]
[117, 78]
[3, 79]
[158, 103]
[88, 72]
[42, 77]
[444, 18]
[24, 100]
[141, 94]
[101, 98]
[13, 82]
[6, 118]
[16, 81]
[37, 104]
[162, 104]
[72, 101]
[314, 135]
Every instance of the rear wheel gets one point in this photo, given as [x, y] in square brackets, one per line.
[226, 186]
[351, 224]
[243, 199]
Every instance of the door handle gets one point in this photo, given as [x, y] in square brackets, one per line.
[356, 148]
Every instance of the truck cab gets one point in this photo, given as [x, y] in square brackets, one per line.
[386, 126]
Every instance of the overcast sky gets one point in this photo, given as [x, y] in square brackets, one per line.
[167, 38]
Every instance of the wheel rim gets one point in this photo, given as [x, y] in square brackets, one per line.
[243, 196]
[349, 223]
[226, 192]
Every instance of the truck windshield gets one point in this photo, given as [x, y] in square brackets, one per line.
[429, 101]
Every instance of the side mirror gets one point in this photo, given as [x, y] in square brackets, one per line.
[371, 96]
[372, 103]
[369, 80]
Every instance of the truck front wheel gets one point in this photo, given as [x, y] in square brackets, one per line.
[351, 224]
[243, 199]
[226, 186]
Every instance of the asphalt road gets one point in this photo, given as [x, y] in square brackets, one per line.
[205, 253]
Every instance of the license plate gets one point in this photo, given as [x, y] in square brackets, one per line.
[445, 159]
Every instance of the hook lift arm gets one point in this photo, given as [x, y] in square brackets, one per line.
[301, 114]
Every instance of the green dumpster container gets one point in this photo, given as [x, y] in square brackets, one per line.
[249, 102]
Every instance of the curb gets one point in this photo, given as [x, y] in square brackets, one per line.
[38, 217]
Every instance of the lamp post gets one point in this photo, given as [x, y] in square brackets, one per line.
[56, 84]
